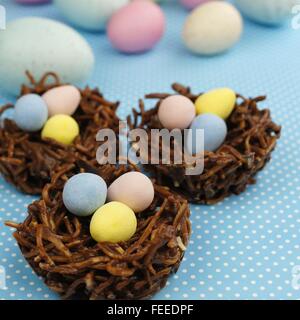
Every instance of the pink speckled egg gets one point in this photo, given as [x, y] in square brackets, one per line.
[191, 4]
[176, 112]
[136, 27]
[32, 1]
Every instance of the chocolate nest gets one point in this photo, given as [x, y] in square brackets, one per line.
[28, 161]
[252, 136]
[60, 249]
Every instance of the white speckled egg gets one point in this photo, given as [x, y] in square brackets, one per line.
[89, 14]
[133, 189]
[62, 100]
[271, 12]
[212, 28]
[40, 45]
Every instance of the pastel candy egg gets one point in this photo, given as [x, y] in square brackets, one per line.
[30, 112]
[133, 189]
[62, 100]
[61, 128]
[114, 222]
[84, 193]
[191, 4]
[91, 15]
[212, 28]
[218, 101]
[136, 27]
[215, 131]
[176, 112]
[41, 45]
[270, 12]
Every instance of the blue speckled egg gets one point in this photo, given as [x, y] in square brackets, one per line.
[30, 113]
[84, 193]
[215, 131]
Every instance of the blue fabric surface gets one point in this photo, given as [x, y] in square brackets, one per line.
[243, 248]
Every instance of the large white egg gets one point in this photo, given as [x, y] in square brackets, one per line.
[40, 45]
[89, 14]
[271, 12]
[212, 28]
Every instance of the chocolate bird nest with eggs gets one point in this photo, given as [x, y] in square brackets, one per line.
[252, 136]
[58, 245]
[27, 161]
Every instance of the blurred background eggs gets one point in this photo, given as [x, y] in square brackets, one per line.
[270, 12]
[191, 4]
[212, 28]
[89, 14]
[136, 27]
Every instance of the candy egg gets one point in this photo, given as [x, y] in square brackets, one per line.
[218, 101]
[30, 112]
[61, 128]
[62, 100]
[84, 193]
[91, 15]
[176, 112]
[136, 27]
[191, 4]
[270, 12]
[133, 189]
[212, 28]
[215, 131]
[114, 222]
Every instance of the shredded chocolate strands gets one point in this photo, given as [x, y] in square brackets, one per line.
[251, 138]
[59, 247]
[28, 162]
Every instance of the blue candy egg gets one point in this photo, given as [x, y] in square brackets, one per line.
[84, 193]
[214, 129]
[30, 112]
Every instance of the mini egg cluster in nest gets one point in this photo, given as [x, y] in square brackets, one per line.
[28, 161]
[252, 136]
[60, 249]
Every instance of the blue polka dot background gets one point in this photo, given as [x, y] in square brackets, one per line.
[246, 247]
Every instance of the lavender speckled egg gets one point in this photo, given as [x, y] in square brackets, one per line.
[30, 112]
[84, 193]
[176, 112]
[133, 189]
[215, 131]
[136, 27]
[62, 100]
[270, 12]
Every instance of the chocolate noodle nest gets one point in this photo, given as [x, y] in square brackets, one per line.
[59, 247]
[251, 138]
[28, 161]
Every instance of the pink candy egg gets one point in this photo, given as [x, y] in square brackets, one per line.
[32, 1]
[191, 4]
[136, 27]
[62, 100]
[176, 112]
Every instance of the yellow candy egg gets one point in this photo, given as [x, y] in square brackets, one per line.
[218, 101]
[61, 128]
[114, 222]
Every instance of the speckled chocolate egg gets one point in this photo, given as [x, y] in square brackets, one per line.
[133, 189]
